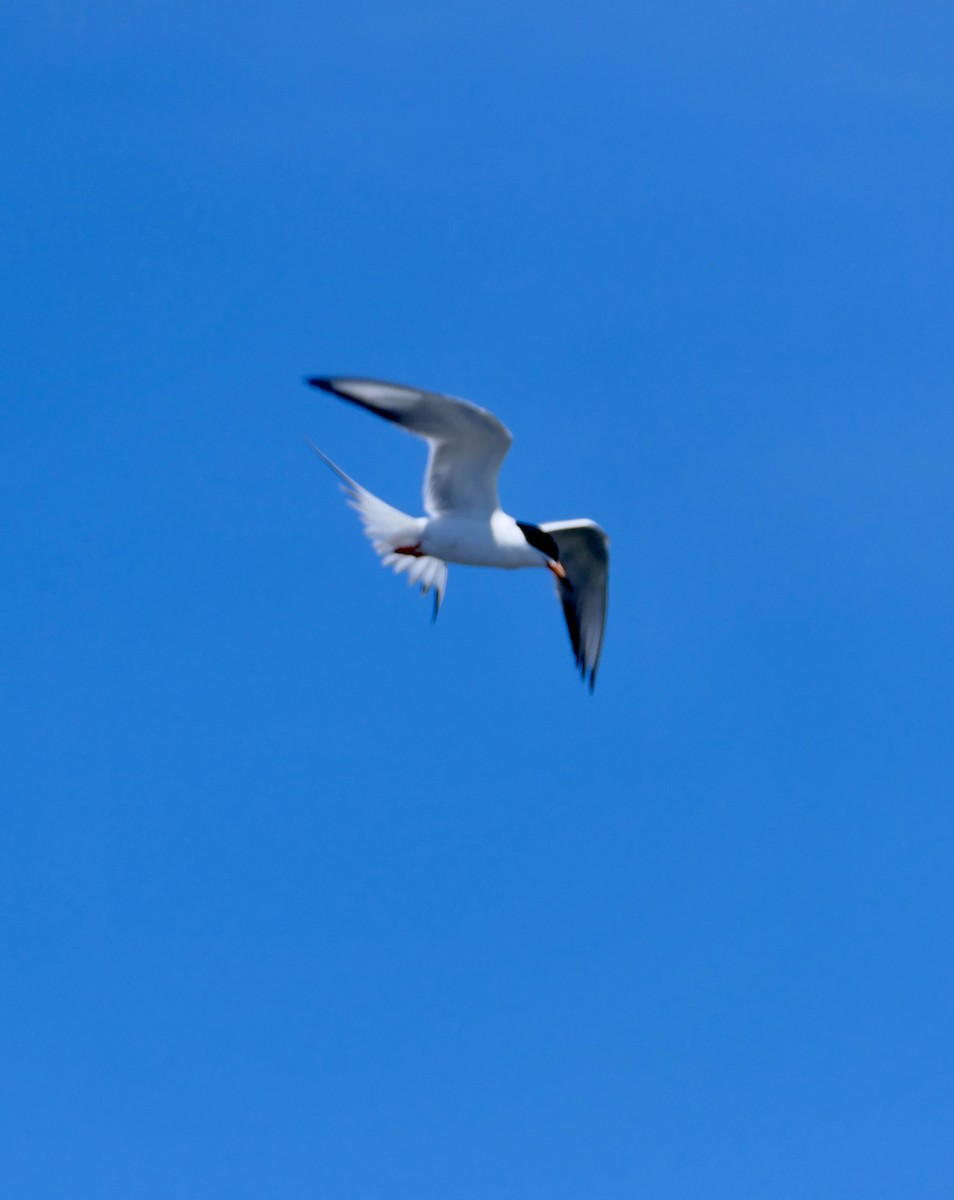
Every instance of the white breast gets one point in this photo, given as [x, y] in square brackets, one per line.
[479, 542]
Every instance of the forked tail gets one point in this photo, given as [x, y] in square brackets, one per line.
[388, 528]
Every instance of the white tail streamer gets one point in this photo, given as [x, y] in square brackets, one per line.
[387, 528]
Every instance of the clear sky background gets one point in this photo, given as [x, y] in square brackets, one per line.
[303, 897]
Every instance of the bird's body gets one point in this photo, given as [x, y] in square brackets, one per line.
[479, 540]
[465, 523]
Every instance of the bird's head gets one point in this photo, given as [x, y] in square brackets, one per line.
[540, 540]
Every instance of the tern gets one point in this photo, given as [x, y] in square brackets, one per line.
[464, 522]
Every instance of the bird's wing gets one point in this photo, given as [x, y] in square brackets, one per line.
[584, 556]
[467, 444]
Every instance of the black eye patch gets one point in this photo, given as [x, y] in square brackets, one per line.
[540, 541]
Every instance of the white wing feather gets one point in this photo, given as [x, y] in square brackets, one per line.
[467, 444]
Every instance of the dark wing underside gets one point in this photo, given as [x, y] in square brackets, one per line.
[584, 555]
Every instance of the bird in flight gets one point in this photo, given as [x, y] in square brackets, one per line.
[464, 521]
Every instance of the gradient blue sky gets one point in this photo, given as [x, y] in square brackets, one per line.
[303, 897]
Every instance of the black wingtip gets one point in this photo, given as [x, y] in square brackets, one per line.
[333, 385]
[320, 381]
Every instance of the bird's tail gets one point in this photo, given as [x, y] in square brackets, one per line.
[387, 528]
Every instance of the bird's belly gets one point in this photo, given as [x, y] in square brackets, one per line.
[471, 543]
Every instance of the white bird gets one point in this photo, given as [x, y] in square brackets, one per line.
[464, 522]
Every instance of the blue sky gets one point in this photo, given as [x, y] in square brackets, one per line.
[304, 897]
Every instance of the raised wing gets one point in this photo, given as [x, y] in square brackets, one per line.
[584, 555]
[467, 444]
